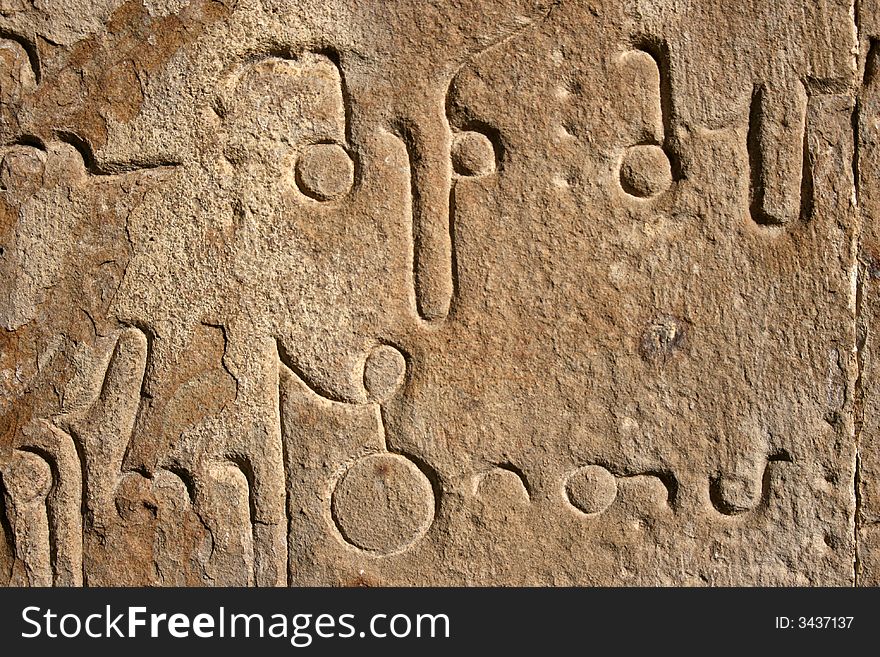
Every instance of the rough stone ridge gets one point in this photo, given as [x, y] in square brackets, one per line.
[509, 292]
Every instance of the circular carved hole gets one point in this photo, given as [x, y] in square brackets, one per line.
[591, 489]
[473, 154]
[383, 503]
[645, 171]
[735, 493]
[325, 172]
[384, 370]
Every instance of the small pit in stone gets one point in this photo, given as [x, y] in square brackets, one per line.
[662, 338]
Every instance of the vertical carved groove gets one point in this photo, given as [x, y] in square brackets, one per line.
[781, 179]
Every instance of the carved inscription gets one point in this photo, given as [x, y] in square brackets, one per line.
[646, 168]
[777, 152]
[432, 294]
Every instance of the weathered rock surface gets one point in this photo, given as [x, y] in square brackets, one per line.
[391, 293]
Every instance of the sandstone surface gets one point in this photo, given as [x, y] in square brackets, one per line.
[429, 292]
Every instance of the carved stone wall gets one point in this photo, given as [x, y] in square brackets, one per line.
[358, 292]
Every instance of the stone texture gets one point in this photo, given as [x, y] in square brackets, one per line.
[425, 292]
[867, 391]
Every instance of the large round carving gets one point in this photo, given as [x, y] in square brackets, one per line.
[383, 503]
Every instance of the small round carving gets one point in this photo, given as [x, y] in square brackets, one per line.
[383, 503]
[591, 489]
[28, 478]
[384, 370]
[645, 171]
[472, 154]
[502, 488]
[735, 494]
[324, 172]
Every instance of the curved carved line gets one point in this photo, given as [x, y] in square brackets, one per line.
[30, 49]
